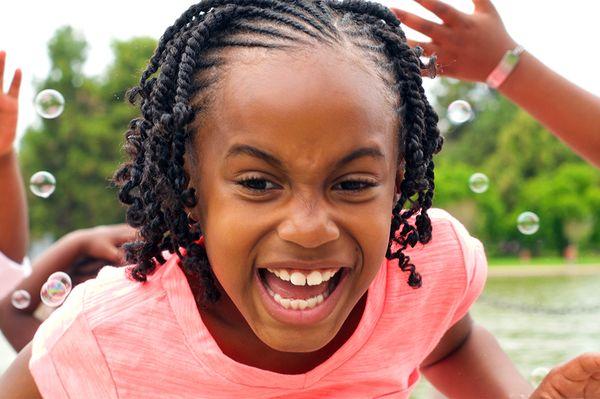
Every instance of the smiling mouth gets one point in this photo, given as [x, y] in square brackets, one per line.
[300, 289]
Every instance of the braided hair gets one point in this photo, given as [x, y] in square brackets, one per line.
[176, 87]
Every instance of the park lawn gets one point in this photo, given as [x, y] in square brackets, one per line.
[542, 261]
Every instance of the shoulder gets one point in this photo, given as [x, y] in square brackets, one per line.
[70, 337]
[451, 244]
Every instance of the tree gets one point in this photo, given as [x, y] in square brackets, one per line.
[82, 147]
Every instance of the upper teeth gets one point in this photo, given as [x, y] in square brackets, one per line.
[298, 277]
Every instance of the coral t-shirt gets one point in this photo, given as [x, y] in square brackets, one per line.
[11, 274]
[117, 338]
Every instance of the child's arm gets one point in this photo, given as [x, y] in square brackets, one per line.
[17, 381]
[469, 363]
[578, 378]
[102, 242]
[13, 211]
[469, 47]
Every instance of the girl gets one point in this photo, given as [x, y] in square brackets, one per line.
[283, 158]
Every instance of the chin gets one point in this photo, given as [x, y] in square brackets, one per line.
[296, 341]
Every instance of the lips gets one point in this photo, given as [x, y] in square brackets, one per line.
[300, 303]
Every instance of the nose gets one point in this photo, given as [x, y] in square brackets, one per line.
[308, 224]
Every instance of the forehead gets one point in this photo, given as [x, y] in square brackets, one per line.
[303, 102]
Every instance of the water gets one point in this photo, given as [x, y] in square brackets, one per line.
[526, 315]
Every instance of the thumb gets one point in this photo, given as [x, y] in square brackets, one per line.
[114, 255]
[484, 6]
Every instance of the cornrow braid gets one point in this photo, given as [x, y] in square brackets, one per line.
[175, 89]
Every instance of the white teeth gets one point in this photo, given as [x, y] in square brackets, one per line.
[299, 304]
[299, 278]
[315, 277]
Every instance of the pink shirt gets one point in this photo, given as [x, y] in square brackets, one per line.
[116, 338]
[11, 274]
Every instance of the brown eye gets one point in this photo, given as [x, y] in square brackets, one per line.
[255, 184]
[357, 185]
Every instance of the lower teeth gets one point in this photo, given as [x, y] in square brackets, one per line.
[301, 304]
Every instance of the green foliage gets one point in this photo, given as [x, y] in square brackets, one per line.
[82, 147]
[529, 170]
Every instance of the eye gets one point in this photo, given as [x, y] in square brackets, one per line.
[356, 185]
[256, 184]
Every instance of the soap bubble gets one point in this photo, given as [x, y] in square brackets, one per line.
[53, 293]
[537, 375]
[49, 103]
[20, 299]
[528, 223]
[42, 184]
[459, 111]
[63, 278]
[479, 183]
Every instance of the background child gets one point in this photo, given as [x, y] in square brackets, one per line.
[81, 254]
[14, 230]
[276, 138]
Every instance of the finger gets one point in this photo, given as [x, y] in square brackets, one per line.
[13, 91]
[421, 25]
[445, 12]
[113, 255]
[484, 6]
[428, 47]
[2, 61]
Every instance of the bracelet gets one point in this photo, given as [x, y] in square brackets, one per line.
[504, 67]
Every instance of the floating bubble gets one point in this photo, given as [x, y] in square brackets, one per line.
[537, 375]
[63, 278]
[49, 103]
[479, 183]
[528, 223]
[53, 293]
[42, 184]
[459, 111]
[20, 299]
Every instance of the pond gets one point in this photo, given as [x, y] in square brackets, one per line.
[539, 321]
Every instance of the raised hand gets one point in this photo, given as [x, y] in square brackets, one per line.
[467, 46]
[9, 107]
[578, 378]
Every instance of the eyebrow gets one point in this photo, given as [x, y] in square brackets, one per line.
[244, 149]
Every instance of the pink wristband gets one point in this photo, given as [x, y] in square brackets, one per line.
[506, 65]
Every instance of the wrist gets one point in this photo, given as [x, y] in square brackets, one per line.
[77, 240]
[505, 67]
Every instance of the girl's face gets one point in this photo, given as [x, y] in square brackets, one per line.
[295, 169]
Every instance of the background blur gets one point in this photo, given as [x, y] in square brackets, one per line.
[92, 52]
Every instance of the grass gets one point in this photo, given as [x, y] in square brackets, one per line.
[543, 261]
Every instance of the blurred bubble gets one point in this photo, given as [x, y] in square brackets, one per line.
[537, 375]
[56, 75]
[479, 183]
[49, 103]
[53, 293]
[77, 81]
[528, 223]
[63, 278]
[42, 184]
[20, 299]
[459, 111]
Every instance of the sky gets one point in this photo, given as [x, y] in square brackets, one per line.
[561, 33]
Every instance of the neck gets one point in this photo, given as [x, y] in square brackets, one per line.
[236, 339]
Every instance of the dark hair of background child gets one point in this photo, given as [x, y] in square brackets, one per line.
[175, 87]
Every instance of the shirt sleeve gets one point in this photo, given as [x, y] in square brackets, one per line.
[66, 360]
[11, 275]
[476, 267]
